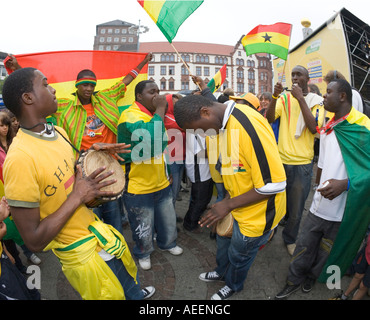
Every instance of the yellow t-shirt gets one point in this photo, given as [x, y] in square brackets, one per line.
[295, 151]
[250, 159]
[39, 173]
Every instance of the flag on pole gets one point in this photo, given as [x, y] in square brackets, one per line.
[169, 14]
[61, 69]
[272, 39]
[218, 79]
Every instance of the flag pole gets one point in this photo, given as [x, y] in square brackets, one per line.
[184, 63]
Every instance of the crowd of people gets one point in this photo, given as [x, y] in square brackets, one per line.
[257, 152]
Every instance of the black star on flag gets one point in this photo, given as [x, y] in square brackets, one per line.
[267, 37]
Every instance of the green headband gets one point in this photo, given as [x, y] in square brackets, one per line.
[85, 80]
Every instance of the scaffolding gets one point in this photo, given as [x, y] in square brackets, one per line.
[357, 34]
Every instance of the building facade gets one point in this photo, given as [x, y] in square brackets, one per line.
[172, 70]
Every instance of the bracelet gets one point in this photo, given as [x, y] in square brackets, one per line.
[275, 98]
[348, 184]
[134, 72]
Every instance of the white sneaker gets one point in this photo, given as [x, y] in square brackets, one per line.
[34, 259]
[223, 294]
[145, 263]
[176, 251]
[148, 292]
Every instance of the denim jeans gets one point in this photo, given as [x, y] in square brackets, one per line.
[235, 256]
[177, 170]
[313, 248]
[297, 190]
[221, 191]
[110, 213]
[148, 214]
[131, 289]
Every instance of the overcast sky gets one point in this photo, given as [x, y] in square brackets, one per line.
[44, 25]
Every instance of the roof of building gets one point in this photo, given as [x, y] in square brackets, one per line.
[116, 23]
[187, 47]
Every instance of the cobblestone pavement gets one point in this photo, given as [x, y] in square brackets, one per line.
[176, 277]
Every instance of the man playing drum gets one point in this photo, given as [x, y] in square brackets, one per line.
[93, 119]
[47, 197]
[254, 177]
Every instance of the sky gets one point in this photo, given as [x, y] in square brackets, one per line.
[44, 25]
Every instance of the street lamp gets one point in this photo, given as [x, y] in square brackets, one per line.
[138, 29]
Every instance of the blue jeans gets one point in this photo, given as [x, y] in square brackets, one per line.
[177, 170]
[297, 190]
[110, 213]
[235, 256]
[221, 191]
[131, 289]
[148, 214]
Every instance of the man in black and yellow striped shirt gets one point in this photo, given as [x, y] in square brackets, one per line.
[254, 177]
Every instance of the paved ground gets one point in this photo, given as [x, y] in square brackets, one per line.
[176, 277]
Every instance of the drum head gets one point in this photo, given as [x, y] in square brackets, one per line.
[224, 226]
[93, 160]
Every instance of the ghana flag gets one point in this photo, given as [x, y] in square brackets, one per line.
[169, 15]
[61, 69]
[272, 39]
[353, 135]
[218, 79]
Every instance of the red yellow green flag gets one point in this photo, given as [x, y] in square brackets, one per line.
[61, 69]
[169, 15]
[218, 79]
[272, 39]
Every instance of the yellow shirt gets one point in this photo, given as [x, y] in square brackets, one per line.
[250, 159]
[295, 151]
[39, 173]
[213, 153]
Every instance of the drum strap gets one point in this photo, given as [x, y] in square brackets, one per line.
[78, 151]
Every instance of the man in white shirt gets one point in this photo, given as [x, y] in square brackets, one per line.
[322, 223]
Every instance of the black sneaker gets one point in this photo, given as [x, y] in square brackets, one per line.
[308, 284]
[223, 294]
[148, 292]
[210, 276]
[287, 291]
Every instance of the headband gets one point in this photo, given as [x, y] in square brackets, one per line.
[85, 80]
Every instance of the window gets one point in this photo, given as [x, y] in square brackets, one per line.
[115, 47]
[163, 70]
[109, 39]
[185, 57]
[185, 85]
[131, 39]
[171, 85]
[163, 84]
[101, 47]
[102, 39]
[198, 71]
[206, 71]
[116, 30]
[240, 74]
[116, 39]
[239, 53]
[251, 88]
[151, 71]
[108, 48]
[124, 31]
[184, 70]
[123, 39]
[171, 70]
[102, 31]
[240, 87]
[110, 30]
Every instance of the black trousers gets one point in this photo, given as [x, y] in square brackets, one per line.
[201, 195]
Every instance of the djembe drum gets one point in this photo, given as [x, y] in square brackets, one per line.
[92, 160]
